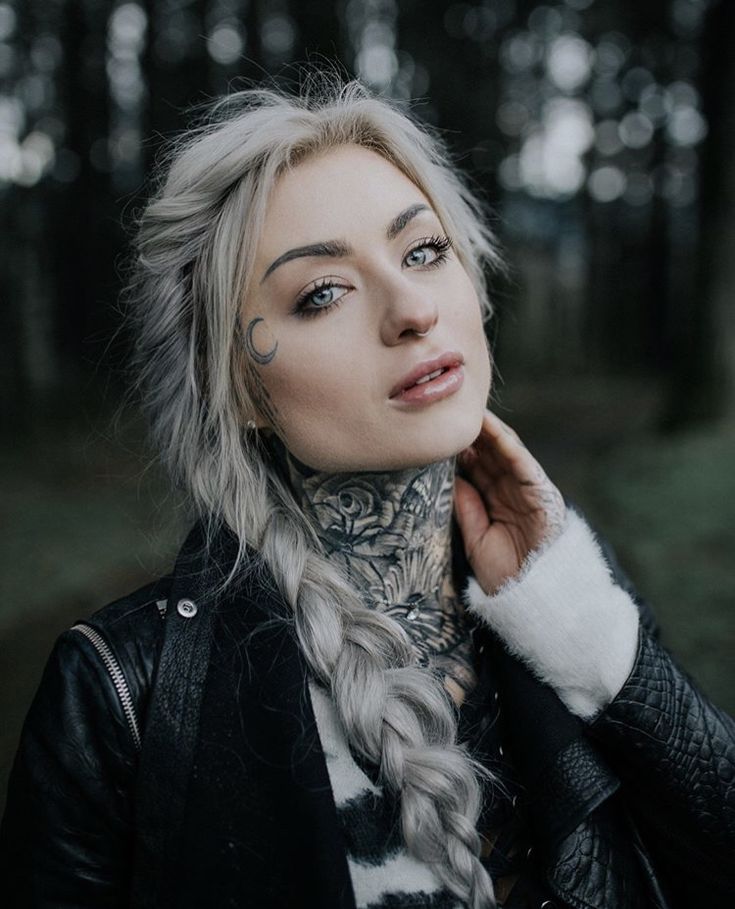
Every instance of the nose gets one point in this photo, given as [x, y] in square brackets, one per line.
[409, 310]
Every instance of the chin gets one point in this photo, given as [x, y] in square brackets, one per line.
[438, 440]
[416, 440]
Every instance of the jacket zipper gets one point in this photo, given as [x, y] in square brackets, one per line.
[117, 676]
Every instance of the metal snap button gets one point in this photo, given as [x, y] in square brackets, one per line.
[548, 904]
[187, 608]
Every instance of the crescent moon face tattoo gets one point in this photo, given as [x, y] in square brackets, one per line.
[262, 359]
[258, 391]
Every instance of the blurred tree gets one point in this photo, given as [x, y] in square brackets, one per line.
[703, 380]
[175, 65]
[450, 53]
[321, 31]
[84, 218]
[630, 261]
[579, 121]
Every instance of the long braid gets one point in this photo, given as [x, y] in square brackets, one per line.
[395, 714]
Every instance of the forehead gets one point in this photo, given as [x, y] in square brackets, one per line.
[343, 191]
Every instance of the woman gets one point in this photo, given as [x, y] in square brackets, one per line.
[391, 667]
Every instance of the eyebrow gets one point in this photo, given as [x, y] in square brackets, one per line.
[337, 249]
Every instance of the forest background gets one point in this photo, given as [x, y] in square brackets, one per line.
[601, 133]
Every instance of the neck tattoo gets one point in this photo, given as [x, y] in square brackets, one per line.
[391, 532]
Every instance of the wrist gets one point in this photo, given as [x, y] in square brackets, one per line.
[563, 615]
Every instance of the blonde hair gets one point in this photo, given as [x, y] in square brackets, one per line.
[194, 250]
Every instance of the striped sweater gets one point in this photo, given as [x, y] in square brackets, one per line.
[384, 875]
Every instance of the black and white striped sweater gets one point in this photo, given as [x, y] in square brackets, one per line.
[384, 875]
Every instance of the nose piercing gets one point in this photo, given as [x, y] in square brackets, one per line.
[422, 334]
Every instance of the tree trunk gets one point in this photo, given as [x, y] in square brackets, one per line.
[703, 382]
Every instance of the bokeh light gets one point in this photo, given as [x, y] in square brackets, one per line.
[520, 52]
[278, 35]
[636, 130]
[225, 43]
[8, 20]
[569, 62]
[607, 137]
[550, 162]
[606, 183]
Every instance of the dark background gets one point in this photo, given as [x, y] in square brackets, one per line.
[600, 133]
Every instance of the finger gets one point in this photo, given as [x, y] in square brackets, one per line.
[471, 512]
[493, 427]
[484, 475]
[495, 436]
[483, 460]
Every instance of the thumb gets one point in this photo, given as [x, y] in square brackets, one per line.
[471, 514]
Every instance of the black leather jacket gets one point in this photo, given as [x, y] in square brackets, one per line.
[170, 758]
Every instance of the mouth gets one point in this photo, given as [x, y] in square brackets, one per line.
[431, 380]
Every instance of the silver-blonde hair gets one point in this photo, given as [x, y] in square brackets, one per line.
[194, 248]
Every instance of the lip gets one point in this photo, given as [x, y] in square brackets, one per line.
[448, 360]
[436, 389]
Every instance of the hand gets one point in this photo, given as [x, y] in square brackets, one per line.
[509, 507]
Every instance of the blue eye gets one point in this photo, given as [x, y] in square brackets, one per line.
[440, 247]
[320, 299]
[418, 255]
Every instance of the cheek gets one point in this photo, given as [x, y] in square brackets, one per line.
[307, 385]
[486, 361]
[476, 345]
[323, 410]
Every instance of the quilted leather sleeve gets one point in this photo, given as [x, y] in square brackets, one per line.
[677, 752]
[66, 836]
[594, 865]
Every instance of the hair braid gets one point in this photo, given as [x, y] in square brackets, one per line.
[395, 714]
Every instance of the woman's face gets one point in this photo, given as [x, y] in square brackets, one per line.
[353, 289]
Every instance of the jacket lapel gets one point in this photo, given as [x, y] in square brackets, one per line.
[251, 820]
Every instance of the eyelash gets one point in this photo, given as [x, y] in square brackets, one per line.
[440, 244]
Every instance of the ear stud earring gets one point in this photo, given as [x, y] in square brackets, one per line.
[251, 424]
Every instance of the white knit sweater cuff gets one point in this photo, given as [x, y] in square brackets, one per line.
[565, 617]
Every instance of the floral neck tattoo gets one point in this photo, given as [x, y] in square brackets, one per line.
[391, 531]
